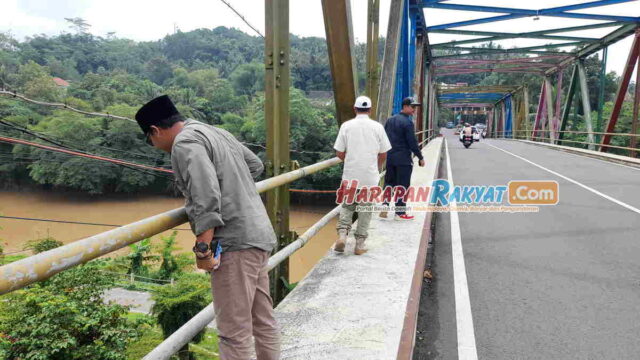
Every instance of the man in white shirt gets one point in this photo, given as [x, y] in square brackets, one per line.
[362, 144]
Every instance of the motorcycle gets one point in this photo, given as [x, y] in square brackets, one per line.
[467, 140]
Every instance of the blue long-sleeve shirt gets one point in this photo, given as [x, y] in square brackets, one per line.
[401, 133]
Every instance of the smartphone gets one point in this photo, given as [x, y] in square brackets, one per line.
[216, 248]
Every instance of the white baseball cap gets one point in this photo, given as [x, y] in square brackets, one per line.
[363, 102]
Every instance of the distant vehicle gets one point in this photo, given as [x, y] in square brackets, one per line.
[475, 134]
[450, 125]
[480, 126]
[457, 130]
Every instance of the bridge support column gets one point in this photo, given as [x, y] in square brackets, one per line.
[418, 85]
[622, 90]
[567, 105]
[549, 104]
[558, 105]
[373, 69]
[426, 96]
[277, 120]
[539, 112]
[636, 108]
[390, 61]
[337, 24]
[603, 75]
[586, 106]
[525, 95]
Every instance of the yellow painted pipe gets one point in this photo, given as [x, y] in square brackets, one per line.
[44, 265]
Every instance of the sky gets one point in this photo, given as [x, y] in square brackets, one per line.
[145, 20]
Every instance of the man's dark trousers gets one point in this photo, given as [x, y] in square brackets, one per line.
[398, 175]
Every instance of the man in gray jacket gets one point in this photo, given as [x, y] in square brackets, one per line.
[215, 173]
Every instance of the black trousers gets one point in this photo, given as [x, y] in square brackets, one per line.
[398, 175]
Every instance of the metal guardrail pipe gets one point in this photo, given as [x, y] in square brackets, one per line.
[191, 328]
[42, 266]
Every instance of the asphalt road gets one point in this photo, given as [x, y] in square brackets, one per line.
[563, 283]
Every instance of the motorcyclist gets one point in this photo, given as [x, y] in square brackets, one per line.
[467, 130]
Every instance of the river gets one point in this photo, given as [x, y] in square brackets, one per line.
[119, 210]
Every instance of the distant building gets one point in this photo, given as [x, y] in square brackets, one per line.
[61, 82]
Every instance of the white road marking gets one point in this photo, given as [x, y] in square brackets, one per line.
[593, 158]
[634, 209]
[464, 318]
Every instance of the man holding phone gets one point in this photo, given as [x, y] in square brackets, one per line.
[234, 236]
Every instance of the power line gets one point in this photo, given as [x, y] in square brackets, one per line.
[76, 153]
[68, 222]
[50, 139]
[67, 107]
[61, 106]
[242, 17]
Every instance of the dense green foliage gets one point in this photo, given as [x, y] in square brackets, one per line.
[177, 304]
[42, 245]
[214, 75]
[64, 318]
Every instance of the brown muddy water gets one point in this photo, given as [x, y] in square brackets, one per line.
[118, 210]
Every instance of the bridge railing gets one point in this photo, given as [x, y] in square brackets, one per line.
[544, 136]
[42, 266]
[191, 328]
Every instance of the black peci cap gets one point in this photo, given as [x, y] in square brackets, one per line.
[410, 101]
[154, 111]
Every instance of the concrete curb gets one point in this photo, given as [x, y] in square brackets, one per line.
[624, 160]
[408, 335]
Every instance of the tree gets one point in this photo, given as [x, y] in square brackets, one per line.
[172, 265]
[80, 25]
[159, 70]
[177, 304]
[35, 82]
[140, 252]
[64, 318]
[247, 79]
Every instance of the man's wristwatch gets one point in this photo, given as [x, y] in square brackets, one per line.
[202, 250]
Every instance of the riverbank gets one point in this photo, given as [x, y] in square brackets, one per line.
[121, 209]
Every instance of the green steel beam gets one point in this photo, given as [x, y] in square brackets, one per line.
[609, 39]
[586, 106]
[390, 62]
[546, 46]
[373, 68]
[277, 119]
[568, 101]
[603, 73]
[532, 33]
[338, 28]
[504, 51]
[505, 36]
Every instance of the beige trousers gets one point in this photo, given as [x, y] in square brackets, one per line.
[346, 217]
[243, 306]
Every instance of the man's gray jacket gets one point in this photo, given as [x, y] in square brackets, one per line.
[215, 173]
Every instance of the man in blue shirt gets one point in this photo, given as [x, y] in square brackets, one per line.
[402, 135]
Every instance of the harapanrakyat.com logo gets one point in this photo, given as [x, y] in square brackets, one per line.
[442, 196]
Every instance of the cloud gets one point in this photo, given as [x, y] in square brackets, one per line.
[21, 24]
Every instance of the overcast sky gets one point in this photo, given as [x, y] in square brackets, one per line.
[153, 19]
